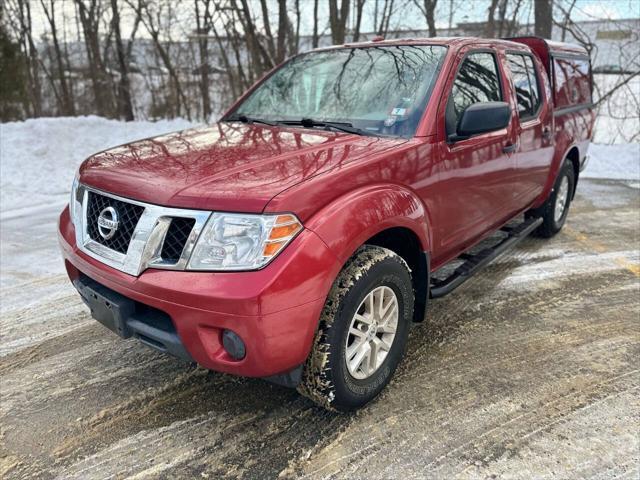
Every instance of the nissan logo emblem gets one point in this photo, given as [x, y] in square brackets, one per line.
[108, 223]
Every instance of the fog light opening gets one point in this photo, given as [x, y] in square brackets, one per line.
[233, 344]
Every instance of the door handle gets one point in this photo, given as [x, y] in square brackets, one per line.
[546, 133]
[510, 148]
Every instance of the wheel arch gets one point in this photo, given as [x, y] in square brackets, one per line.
[571, 152]
[385, 215]
[405, 243]
[574, 156]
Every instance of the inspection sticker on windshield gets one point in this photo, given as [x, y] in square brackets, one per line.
[399, 112]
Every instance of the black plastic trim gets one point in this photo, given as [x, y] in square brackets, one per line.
[289, 379]
[473, 263]
[129, 318]
[573, 108]
[535, 115]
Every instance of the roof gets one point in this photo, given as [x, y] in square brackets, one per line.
[444, 41]
[551, 45]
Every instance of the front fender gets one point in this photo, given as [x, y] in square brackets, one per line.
[348, 221]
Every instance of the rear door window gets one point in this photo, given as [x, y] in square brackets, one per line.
[526, 83]
[477, 81]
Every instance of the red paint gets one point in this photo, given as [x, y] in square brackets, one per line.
[345, 189]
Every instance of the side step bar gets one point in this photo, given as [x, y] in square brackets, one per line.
[473, 263]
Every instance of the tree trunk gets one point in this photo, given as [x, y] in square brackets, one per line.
[387, 12]
[430, 8]
[282, 30]
[543, 13]
[203, 49]
[66, 107]
[490, 31]
[271, 43]
[33, 70]
[502, 14]
[315, 39]
[125, 106]
[338, 20]
[99, 77]
[359, 11]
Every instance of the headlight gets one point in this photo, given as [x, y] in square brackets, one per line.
[231, 241]
[74, 204]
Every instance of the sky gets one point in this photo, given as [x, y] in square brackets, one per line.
[409, 18]
[476, 10]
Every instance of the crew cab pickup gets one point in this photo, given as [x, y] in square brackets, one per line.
[298, 238]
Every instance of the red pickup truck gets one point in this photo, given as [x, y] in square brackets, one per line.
[298, 238]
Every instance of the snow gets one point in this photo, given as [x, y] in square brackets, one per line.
[39, 157]
[618, 161]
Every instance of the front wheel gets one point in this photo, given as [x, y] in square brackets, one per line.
[556, 208]
[362, 332]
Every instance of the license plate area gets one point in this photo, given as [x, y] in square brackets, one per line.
[107, 307]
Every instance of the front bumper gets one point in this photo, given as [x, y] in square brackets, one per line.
[274, 310]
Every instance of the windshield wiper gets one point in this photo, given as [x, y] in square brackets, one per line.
[340, 126]
[245, 119]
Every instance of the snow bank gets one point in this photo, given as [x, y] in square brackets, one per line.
[620, 161]
[39, 157]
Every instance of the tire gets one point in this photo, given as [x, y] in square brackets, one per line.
[371, 274]
[562, 191]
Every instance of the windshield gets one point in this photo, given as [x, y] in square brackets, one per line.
[378, 90]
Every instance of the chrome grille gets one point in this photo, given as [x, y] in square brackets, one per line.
[147, 236]
[128, 217]
[176, 238]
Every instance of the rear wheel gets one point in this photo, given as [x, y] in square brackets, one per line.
[363, 331]
[556, 208]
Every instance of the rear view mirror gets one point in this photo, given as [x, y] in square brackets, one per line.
[483, 117]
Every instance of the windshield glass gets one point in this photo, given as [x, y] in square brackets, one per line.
[380, 90]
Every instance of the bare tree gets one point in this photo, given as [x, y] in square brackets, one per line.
[359, 12]
[67, 106]
[25, 26]
[314, 38]
[89, 13]
[490, 30]
[125, 105]
[543, 13]
[385, 18]
[152, 20]
[284, 29]
[203, 25]
[338, 20]
[428, 8]
[566, 19]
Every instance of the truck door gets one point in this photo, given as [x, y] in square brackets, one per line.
[534, 127]
[476, 173]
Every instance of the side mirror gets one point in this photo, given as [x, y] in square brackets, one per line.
[482, 117]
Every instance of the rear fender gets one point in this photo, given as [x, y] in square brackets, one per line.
[563, 147]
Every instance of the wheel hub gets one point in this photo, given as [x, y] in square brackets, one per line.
[562, 199]
[371, 332]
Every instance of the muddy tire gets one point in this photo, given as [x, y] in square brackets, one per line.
[556, 208]
[358, 324]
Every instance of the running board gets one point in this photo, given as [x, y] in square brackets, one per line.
[473, 263]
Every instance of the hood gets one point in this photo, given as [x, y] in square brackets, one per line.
[225, 166]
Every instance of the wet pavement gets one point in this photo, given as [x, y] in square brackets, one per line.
[529, 370]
